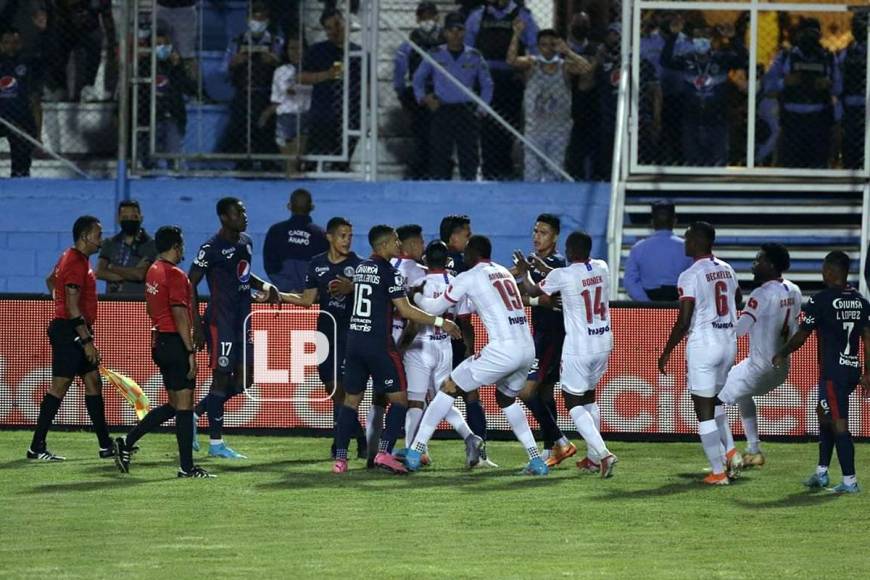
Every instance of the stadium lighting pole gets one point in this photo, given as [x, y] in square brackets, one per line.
[121, 186]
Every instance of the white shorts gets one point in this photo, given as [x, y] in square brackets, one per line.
[750, 379]
[505, 364]
[427, 366]
[580, 374]
[708, 366]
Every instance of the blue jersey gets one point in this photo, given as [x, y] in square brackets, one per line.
[321, 272]
[227, 269]
[375, 285]
[456, 263]
[838, 316]
[546, 320]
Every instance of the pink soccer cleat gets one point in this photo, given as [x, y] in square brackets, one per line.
[389, 463]
[340, 466]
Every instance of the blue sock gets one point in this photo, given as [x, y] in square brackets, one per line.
[549, 429]
[846, 453]
[348, 423]
[215, 409]
[826, 445]
[476, 418]
[394, 425]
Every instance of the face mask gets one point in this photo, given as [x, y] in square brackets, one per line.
[130, 227]
[428, 26]
[579, 32]
[702, 45]
[554, 59]
[257, 27]
[163, 51]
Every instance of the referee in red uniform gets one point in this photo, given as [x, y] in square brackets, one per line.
[168, 299]
[73, 285]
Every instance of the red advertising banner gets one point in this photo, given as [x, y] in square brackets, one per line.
[633, 396]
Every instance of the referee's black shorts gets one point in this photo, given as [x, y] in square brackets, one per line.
[68, 358]
[170, 355]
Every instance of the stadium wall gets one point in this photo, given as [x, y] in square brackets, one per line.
[36, 216]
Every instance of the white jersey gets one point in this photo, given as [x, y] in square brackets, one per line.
[772, 312]
[435, 284]
[585, 288]
[412, 275]
[712, 285]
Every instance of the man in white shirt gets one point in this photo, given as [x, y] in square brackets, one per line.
[770, 319]
[709, 294]
[504, 361]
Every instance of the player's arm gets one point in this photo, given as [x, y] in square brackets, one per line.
[414, 314]
[306, 299]
[464, 322]
[678, 332]
[408, 333]
[524, 278]
[196, 273]
[794, 343]
[182, 323]
[266, 288]
[73, 295]
[105, 273]
[748, 317]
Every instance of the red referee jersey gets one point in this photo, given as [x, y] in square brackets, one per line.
[166, 285]
[74, 268]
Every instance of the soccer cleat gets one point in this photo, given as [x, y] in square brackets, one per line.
[535, 466]
[197, 472]
[586, 465]
[753, 459]
[44, 455]
[734, 463]
[413, 460]
[122, 455]
[607, 464]
[221, 450]
[107, 453]
[486, 462]
[389, 463]
[340, 466]
[845, 488]
[473, 447]
[560, 453]
[816, 481]
[195, 445]
[716, 479]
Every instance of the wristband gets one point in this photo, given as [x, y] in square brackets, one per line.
[84, 341]
[534, 301]
[78, 321]
[439, 322]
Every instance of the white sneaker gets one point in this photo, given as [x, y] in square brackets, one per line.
[486, 462]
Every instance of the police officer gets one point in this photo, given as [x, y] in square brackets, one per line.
[489, 29]
[454, 114]
[16, 78]
[806, 78]
[853, 64]
[427, 36]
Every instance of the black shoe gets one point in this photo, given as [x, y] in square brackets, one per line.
[197, 472]
[122, 455]
[107, 453]
[362, 451]
[44, 455]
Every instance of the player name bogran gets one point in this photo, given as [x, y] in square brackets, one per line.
[592, 281]
[719, 275]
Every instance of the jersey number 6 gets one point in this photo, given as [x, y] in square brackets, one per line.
[721, 292]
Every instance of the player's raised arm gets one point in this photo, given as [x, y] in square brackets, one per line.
[414, 314]
[265, 287]
[678, 332]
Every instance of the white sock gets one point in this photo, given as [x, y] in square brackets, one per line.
[520, 426]
[457, 421]
[749, 418]
[850, 479]
[215, 441]
[435, 412]
[709, 432]
[725, 435]
[821, 469]
[592, 409]
[412, 421]
[374, 424]
[586, 427]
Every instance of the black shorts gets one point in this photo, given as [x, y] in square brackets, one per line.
[170, 355]
[68, 358]
[548, 355]
[383, 366]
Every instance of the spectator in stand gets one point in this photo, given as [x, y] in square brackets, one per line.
[31, 20]
[126, 256]
[291, 101]
[250, 61]
[16, 79]
[323, 67]
[427, 36]
[853, 64]
[490, 29]
[455, 117]
[291, 244]
[806, 78]
[607, 79]
[654, 264]
[580, 157]
[549, 75]
[80, 27]
[179, 19]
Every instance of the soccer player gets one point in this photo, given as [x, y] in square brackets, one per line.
[168, 297]
[548, 330]
[329, 282]
[73, 286]
[371, 351]
[839, 317]
[708, 314]
[505, 360]
[225, 262]
[585, 289]
[770, 319]
[428, 357]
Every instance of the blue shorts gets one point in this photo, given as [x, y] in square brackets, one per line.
[288, 127]
[548, 354]
[225, 343]
[332, 369]
[384, 367]
[834, 399]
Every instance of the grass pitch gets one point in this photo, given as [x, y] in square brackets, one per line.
[282, 514]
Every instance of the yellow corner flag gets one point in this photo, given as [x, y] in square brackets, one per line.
[129, 390]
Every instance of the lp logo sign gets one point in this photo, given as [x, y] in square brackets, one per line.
[277, 333]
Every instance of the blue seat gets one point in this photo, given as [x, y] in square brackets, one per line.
[214, 79]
